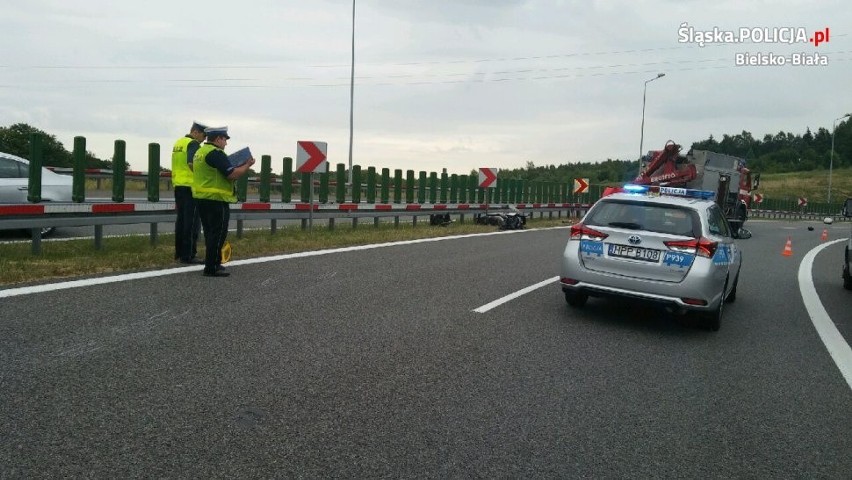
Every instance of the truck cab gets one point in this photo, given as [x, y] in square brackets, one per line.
[847, 251]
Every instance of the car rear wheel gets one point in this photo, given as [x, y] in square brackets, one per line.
[575, 299]
[732, 297]
[847, 273]
[713, 320]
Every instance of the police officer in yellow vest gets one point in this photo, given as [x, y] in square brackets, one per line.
[213, 191]
[187, 225]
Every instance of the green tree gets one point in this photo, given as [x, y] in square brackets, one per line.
[15, 139]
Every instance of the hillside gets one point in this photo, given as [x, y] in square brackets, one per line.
[812, 185]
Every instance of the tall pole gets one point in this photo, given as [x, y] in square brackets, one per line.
[831, 160]
[351, 95]
[642, 136]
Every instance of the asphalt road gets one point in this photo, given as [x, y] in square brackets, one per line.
[373, 363]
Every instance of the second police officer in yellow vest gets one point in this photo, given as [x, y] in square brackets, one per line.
[213, 192]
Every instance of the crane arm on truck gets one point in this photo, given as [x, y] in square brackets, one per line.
[664, 168]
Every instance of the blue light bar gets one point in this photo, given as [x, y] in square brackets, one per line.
[629, 188]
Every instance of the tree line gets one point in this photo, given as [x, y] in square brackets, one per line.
[779, 153]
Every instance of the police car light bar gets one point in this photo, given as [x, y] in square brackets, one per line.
[670, 191]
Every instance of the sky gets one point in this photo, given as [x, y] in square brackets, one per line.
[438, 84]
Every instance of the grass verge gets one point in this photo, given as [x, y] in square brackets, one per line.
[78, 258]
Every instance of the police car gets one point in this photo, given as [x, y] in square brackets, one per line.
[669, 246]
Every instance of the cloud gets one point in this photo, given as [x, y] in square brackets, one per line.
[459, 85]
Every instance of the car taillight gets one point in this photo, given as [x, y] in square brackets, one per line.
[699, 246]
[582, 232]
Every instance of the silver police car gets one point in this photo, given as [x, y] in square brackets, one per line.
[669, 246]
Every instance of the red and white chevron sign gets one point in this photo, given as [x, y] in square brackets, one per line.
[310, 156]
[581, 185]
[487, 177]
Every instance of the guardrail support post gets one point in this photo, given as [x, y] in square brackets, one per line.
[340, 179]
[445, 185]
[409, 186]
[35, 234]
[356, 184]
[154, 238]
[421, 187]
[371, 185]
[287, 181]
[78, 187]
[385, 194]
[265, 177]
[323, 186]
[99, 237]
[34, 186]
[242, 188]
[273, 226]
[153, 172]
[119, 167]
[239, 229]
[397, 186]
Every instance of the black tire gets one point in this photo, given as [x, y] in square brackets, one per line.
[847, 275]
[713, 320]
[732, 297]
[576, 300]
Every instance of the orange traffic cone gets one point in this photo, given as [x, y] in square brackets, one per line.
[824, 236]
[788, 248]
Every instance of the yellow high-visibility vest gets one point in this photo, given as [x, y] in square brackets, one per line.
[181, 173]
[208, 182]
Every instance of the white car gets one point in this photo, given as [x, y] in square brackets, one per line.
[670, 248]
[14, 183]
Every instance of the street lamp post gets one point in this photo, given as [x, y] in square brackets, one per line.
[352, 94]
[642, 136]
[831, 158]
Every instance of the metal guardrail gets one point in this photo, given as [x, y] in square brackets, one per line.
[241, 212]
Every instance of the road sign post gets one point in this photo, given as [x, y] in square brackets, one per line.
[311, 158]
[487, 179]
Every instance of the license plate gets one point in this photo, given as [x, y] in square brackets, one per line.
[636, 253]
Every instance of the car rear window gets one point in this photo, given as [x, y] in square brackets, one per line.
[652, 217]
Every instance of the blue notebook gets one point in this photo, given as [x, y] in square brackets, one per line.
[240, 157]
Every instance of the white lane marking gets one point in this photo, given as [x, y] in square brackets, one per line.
[14, 292]
[512, 296]
[837, 347]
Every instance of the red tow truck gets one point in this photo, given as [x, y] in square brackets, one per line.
[703, 170]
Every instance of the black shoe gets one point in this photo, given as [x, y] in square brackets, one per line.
[192, 261]
[220, 268]
[217, 274]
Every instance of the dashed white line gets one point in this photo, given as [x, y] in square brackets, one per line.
[512, 296]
